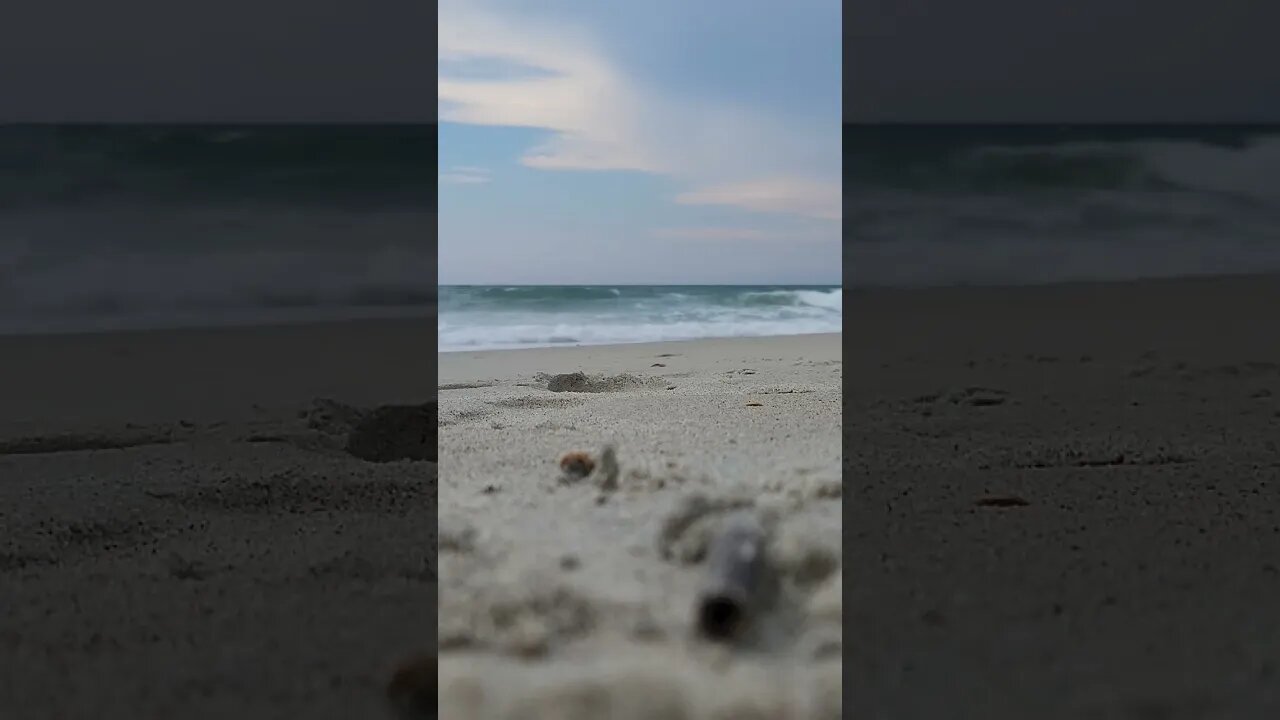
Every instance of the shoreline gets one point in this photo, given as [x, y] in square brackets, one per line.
[856, 291]
[638, 343]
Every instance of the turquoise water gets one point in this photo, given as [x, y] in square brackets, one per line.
[502, 316]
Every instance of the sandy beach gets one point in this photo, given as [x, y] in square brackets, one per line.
[574, 597]
[1064, 502]
[186, 532]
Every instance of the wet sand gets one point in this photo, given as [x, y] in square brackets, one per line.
[186, 535]
[1064, 502]
[575, 597]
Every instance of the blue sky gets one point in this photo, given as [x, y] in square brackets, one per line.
[658, 142]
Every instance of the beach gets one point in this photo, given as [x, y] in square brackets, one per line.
[1064, 501]
[191, 528]
[187, 534]
[565, 596]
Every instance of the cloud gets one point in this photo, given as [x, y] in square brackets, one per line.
[777, 195]
[713, 233]
[465, 175]
[577, 94]
[601, 118]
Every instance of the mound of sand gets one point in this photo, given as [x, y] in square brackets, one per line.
[584, 383]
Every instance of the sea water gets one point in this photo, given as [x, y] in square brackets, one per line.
[506, 316]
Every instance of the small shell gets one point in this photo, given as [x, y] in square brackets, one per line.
[577, 464]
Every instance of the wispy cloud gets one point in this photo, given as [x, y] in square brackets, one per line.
[776, 195]
[713, 233]
[464, 175]
[601, 118]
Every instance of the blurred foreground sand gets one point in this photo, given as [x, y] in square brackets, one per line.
[564, 599]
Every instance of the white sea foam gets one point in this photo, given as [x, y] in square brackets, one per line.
[637, 315]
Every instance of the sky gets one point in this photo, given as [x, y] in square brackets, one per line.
[665, 142]
[943, 61]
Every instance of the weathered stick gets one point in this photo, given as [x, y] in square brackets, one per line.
[732, 591]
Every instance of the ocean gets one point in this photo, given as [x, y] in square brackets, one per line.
[500, 317]
[1019, 204]
[114, 227]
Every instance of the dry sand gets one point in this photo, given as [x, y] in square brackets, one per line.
[182, 533]
[1126, 441]
[567, 599]
[1064, 502]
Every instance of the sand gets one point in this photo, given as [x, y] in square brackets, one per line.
[1061, 502]
[184, 534]
[575, 598]
[1064, 502]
